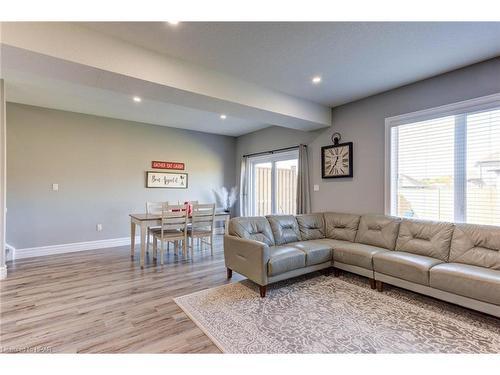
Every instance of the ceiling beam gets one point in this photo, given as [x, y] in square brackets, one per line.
[85, 54]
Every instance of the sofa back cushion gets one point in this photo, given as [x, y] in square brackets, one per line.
[285, 228]
[378, 230]
[428, 238]
[311, 226]
[252, 228]
[477, 245]
[340, 226]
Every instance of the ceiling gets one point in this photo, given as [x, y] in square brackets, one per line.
[355, 59]
[258, 74]
[67, 96]
[69, 67]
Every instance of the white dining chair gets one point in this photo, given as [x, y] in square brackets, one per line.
[154, 208]
[202, 226]
[189, 223]
[174, 219]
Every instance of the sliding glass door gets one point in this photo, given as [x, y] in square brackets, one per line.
[272, 183]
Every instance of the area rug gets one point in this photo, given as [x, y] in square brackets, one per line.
[324, 314]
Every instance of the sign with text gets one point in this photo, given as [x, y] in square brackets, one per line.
[169, 180]
[167, 165]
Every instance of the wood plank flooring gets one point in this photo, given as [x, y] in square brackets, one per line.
[100, 301]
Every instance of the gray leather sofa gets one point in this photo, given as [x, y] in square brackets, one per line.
[458, 263]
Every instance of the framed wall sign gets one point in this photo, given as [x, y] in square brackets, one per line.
[168, 180]
[336, 160]
[167, 165]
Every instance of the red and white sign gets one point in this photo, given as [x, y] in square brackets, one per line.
[167, 165]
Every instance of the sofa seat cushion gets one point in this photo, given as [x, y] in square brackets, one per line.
[316, 251]
[284, 258]
[469, 281]
[355, 254]
[406, 266]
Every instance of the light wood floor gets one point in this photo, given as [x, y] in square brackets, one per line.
[101, 301]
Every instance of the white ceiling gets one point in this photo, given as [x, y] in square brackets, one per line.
[259, 74]
[69, 67]
[67, 96]
[355, 59]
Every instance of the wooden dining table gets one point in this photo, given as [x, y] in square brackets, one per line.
[144, 221]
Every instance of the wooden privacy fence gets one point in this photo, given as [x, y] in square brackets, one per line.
[482, 204]
[286, 191]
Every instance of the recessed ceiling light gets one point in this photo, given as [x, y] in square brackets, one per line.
[316, 80]
[223, 117]
[173, 23]
[137, 99]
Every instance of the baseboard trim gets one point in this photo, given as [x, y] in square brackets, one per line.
[12, 252]
[71, 247]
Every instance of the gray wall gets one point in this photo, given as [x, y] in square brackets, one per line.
[363, 122]
[271, 138]
[99, 164]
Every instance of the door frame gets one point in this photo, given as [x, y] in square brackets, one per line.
[272, 158]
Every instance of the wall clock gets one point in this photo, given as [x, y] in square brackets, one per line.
[336, 160]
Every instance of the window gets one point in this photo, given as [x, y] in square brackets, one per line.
[444, 163]
[272, 183]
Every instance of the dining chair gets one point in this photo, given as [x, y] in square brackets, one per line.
[174, 219]
[202, 226]
[191, 203]
[153, 208]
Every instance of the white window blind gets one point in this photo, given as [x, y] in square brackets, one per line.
[446, 165]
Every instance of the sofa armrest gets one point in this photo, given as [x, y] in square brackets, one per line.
[247, 257]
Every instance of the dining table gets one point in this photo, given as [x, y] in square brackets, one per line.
[145, 220]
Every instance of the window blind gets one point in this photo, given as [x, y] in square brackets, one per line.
[447, 168]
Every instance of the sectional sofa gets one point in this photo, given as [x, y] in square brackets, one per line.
[458, 263]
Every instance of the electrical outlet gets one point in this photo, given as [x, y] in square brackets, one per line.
[316, 187]
[55, 187]
[98, 227]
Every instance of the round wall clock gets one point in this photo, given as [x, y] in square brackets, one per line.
[336, 160]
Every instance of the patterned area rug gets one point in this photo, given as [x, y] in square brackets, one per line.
[324, 314]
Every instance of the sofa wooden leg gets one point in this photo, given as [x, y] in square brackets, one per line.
[380, 286]
[372, 283]
[262, 289]
[229, 273]
[336, 272]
